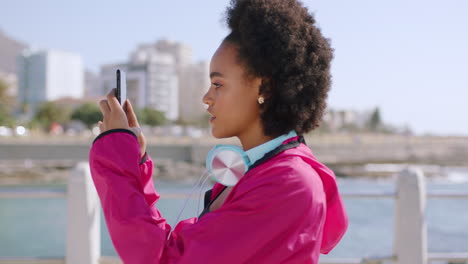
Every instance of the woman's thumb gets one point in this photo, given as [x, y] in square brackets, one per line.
[132, 119]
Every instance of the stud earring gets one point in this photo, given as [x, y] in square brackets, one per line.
[261, 100]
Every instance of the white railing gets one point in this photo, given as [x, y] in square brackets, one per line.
[83, 226]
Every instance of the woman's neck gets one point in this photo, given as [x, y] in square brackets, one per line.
[252, 138]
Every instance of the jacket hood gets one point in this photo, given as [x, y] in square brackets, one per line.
[336, 220]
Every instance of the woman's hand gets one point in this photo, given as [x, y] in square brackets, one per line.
[115, 117]
[134, 125]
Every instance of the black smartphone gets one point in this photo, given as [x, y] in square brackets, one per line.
[121, 91]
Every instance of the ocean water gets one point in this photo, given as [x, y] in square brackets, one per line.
[37, 227]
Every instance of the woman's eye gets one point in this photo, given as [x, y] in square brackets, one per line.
[216, 85]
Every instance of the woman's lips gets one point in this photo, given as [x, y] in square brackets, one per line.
[212, 117]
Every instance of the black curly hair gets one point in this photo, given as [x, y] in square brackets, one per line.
[278, 41]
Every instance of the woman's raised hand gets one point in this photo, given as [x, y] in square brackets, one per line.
[135, 126]
[115, 117]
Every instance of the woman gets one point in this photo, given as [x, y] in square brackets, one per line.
[270, 78]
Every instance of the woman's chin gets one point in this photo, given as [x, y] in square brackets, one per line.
[218, 134]
[215, 134]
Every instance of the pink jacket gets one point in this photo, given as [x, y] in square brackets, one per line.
[286, 210]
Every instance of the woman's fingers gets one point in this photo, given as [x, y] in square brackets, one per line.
[101, 126]
[132, 119]
[114, 104]
[105, 109]
[114, 115]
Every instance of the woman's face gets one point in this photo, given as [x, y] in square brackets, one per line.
[232, 97]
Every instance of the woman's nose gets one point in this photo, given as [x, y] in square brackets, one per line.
[207, 98]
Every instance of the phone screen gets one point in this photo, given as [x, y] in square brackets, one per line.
[121, 91]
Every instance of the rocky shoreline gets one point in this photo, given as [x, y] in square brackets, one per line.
[57, 172]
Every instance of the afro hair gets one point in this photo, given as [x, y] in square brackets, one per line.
[278, 40]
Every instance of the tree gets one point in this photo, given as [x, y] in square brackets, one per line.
[49, 113]
[375, 121]
[183, 122]
[5, 117]
[5, 99]
[88, 113]
[154, 117]
[6, 102]
[150, 116]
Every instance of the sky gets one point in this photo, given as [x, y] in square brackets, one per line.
[409, 58]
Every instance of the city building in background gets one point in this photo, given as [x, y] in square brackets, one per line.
[182, 53]
[194, 82]
[161, 76]
[338, 120]
[151, 82]
[47, 75]
[9, 49]
[137, 88]
[92, 90]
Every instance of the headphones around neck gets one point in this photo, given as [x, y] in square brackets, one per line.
[227, 164]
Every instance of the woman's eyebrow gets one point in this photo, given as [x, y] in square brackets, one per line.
[216, 74]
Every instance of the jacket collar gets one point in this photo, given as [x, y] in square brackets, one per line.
[259, 151]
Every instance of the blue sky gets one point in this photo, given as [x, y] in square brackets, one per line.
[410, 58]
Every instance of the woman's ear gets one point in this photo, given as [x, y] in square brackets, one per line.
[264, 88]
